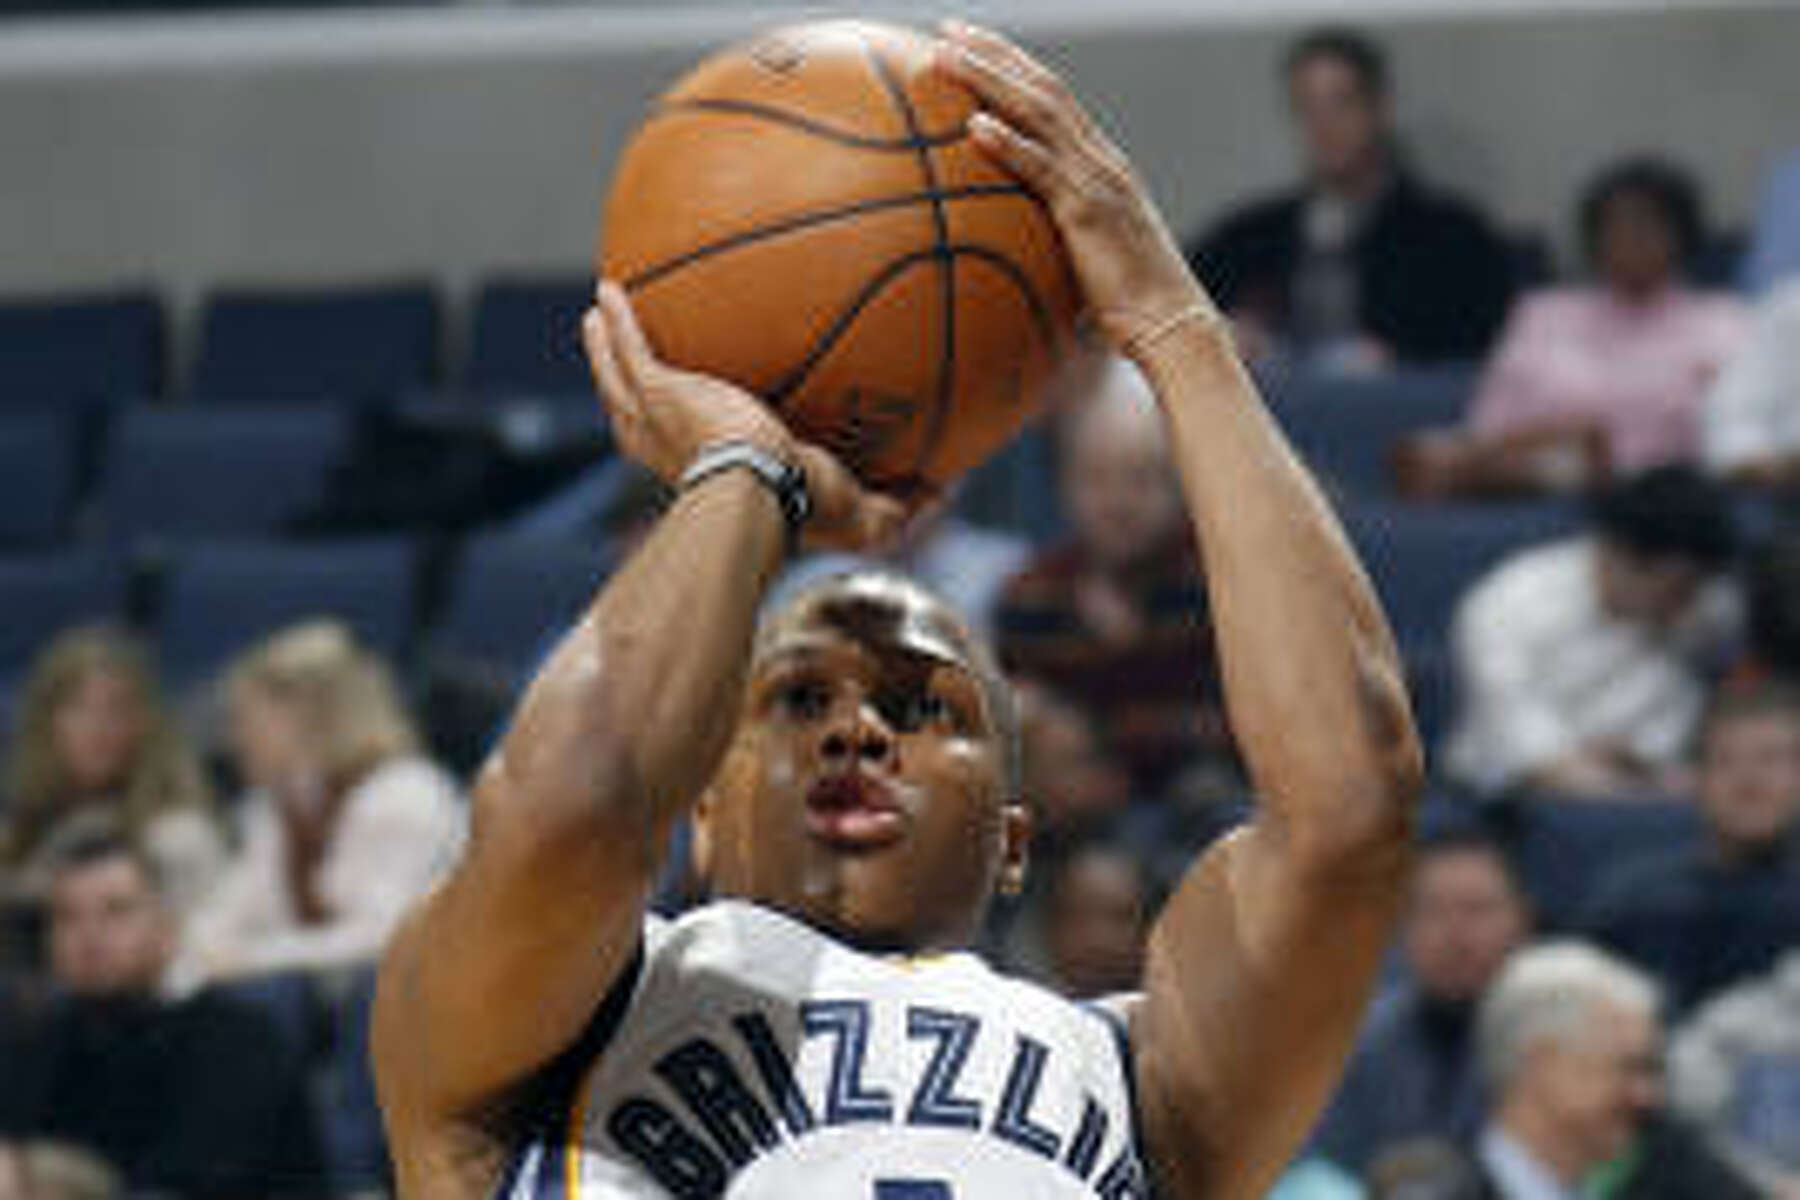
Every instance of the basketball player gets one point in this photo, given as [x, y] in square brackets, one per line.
[816, 1031]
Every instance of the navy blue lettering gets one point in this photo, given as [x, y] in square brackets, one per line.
[679, 1160]
[847, 1099]
[1124, 1180]
[1084, 1147]
[1013, 1120]
[912, 1189]
[935, 1101]
[703, 1076]
[776, 1071]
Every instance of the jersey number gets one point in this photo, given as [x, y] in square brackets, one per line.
[912, 1189]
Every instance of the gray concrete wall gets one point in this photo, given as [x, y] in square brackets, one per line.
[458, 142]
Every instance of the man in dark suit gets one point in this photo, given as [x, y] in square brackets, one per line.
[1571, 1045]
[1362, 264]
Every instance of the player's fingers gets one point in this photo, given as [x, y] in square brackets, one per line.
[845, 514]
[1012, 57]
[1012, 81]
[631, 349]
[608, 381]
[1013, 97]
[619, 398]
[1034, 166]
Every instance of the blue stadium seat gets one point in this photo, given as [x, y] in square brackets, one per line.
[1345, 428]
[208, 473]
[1422, 558]
[43, 595]
[219, 598]
[509, 596]
[80, 351]
[351, 345]
[37, 477]
[526, 339]
[1566, 846]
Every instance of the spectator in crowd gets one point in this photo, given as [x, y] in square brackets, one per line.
[1706, 916]
[1099, 914]
[346, 821]
[1075, 790]
[1772, 611]
[1070, 779]
[1363, 264]
[1752, 415]
[50, 1171]
[1414, 1072]
[1114, 618]
[1775, 243]
[93, 736]
[198, 1097]
[1571, 1047]
[1734, 1070]
[1582, 665]
[1607, 377]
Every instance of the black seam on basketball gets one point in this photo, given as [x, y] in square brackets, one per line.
[940, 224]
[1040, 308]
[916, 140]
[812, 219]
[788, 384]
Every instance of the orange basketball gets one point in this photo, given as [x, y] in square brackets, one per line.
[805, 216]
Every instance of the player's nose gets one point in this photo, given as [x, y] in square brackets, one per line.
[856, 734]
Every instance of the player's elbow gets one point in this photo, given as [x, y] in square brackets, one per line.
[1362, 811]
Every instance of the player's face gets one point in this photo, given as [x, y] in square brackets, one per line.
[865, 790]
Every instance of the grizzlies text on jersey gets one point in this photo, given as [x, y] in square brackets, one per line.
[758, 1059]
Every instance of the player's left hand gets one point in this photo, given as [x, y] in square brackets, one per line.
[664, 417]
[1131, 273]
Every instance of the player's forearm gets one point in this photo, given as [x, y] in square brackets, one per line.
[628, 720]
[1312, 681]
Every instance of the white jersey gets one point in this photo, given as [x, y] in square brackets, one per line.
[758, 1059]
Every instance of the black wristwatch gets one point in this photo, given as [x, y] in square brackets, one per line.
[783, 478]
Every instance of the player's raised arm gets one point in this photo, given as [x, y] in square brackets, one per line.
[1260, 965]
[503, 966]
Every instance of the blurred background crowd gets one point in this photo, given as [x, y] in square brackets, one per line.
[263, 623]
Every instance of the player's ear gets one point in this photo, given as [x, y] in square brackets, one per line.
[700, 845]
[1015, 846]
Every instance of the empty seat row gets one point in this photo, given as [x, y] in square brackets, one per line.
[349, 345]
[502, 599]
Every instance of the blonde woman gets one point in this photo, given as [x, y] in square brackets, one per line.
[94, 740]
[345, 823]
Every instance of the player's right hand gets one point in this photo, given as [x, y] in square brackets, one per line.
[663, 417]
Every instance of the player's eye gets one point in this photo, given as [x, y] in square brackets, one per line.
[803, 699]
[915, 709]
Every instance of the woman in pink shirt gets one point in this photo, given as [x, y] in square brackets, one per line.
[1602, 378]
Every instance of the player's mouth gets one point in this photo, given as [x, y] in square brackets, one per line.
[853, 811]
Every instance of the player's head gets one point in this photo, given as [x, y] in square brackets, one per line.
[1337, 83]
[871, 788]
